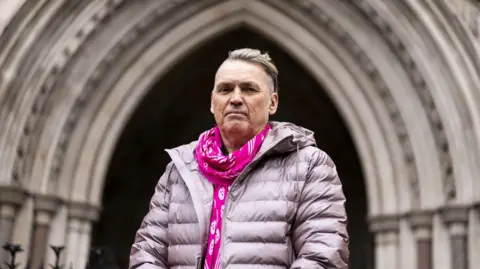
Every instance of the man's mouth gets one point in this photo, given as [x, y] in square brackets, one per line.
[236, 113]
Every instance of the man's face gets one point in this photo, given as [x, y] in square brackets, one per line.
[242, 98]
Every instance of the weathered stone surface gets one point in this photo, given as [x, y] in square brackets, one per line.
[403, 74]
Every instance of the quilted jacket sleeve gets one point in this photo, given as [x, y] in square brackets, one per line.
[320, 231]
[149, 251]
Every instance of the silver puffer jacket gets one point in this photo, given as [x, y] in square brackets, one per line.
[286, 210]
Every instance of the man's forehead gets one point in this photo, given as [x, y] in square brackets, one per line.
[233, 81]
[239, 72]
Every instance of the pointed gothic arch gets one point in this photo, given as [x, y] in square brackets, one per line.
[390, 67]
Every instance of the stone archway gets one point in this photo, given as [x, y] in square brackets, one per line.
[176, 111]
[73, 73]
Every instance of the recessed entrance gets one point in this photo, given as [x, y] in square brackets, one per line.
[176, 111]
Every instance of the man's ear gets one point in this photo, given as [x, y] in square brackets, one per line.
[272, 109]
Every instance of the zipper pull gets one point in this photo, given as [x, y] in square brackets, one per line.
[199, 262]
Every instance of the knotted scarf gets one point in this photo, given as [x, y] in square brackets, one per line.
[221, 171]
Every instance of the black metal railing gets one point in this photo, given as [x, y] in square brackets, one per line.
[99, 258]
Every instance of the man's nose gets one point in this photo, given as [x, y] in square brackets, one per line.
[237, 98]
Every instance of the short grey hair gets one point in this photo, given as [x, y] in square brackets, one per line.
[257, 57]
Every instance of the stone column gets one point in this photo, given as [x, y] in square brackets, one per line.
[422, 225]
[386, 230]
[84, 243]
[11, 198]
[73, 232]
[474, 236]
[81, 216]
[45, 207]
[456, 219]
[58, 231]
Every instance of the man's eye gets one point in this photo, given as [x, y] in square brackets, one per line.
[249, 90]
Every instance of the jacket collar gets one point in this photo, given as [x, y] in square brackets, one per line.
[283, 138]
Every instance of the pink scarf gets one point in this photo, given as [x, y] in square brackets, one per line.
[221, 171]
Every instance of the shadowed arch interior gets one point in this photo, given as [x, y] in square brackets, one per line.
[177, 109]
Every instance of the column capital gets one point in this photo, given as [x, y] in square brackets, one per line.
[384, 224]
[7, 211]
[46, 203]
[45, 206]
[11, 194]
[83, 211]
[421, 223]
[455, 214]
[456, 218]
[420, 219]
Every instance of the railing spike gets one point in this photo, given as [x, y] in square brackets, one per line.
[99, 258]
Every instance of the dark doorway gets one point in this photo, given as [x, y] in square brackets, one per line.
[176, 111]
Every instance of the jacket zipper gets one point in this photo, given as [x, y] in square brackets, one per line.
[225, 210]
[232, 188]
[199, 262]
[204, 245]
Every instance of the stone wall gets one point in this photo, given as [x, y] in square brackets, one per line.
[469, 12]
[404, 75]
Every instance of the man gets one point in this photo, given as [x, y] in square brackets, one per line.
[249, 193]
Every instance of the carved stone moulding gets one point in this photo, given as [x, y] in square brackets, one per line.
[83, 211]
[344, 37]
[400, 50]
[420, 219]
[67, 51]
[386, 229]
[421, 223]
[455, 214]
[10, 194]
[46, 203]
[456, 218]
[103, 69]
[469, 12]
[385, 223]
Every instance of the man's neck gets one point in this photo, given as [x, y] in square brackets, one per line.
[232, 145]
[233, 141]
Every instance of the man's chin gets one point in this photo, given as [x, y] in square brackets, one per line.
[236, 126]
